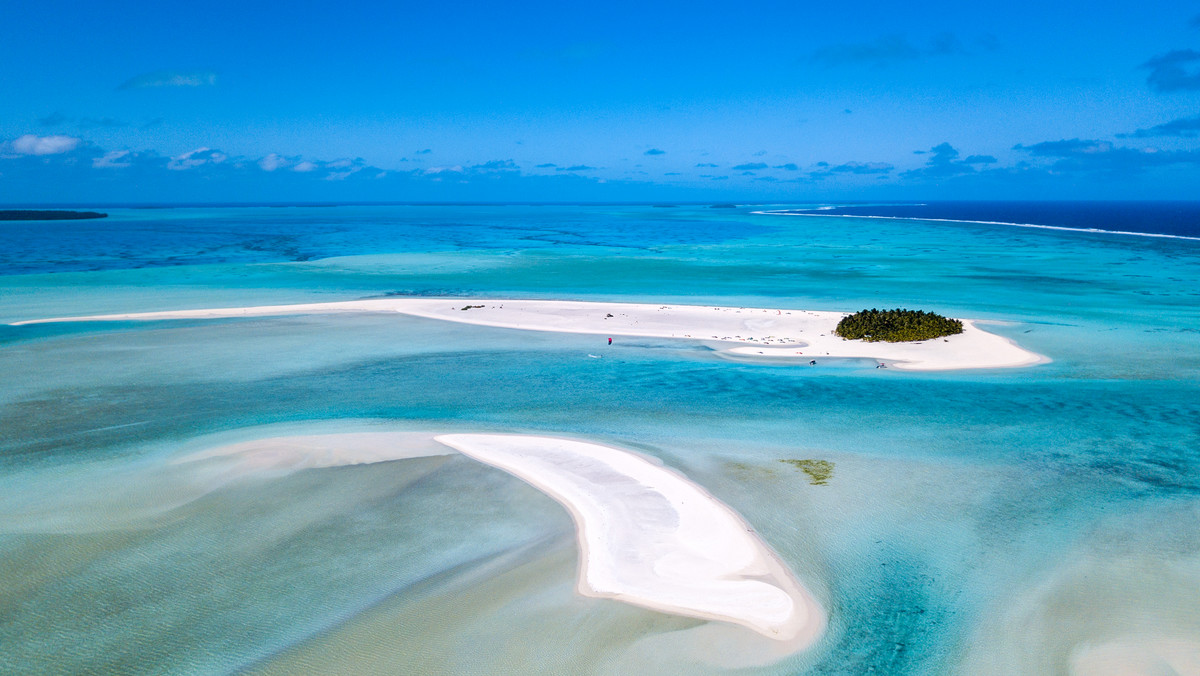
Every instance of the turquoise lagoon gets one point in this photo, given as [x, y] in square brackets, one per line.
[978, 522]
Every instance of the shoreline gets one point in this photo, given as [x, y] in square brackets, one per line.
[789, 334]
[318, 450]
[651, 538]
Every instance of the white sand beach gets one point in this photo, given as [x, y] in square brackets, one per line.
[794, 335]
[647, 535]
[651, 538]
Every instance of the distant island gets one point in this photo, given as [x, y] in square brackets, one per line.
[47, 215]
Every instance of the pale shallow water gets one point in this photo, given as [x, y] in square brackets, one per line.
[1016, 521]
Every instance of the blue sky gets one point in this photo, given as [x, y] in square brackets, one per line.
[322, 101]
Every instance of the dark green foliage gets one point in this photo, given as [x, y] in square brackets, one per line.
[470, 307]
[896, 326]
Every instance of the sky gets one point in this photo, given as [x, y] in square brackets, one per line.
[138, 102]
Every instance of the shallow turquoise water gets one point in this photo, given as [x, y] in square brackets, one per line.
[964, 507]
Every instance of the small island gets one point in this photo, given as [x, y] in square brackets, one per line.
[47, 215]
[896, 326]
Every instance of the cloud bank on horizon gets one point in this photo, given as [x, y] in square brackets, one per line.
[699, 101]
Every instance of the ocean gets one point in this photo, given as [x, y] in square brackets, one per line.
[1036, 521]
[1153, 219]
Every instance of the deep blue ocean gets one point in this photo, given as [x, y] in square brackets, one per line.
[1024, 521]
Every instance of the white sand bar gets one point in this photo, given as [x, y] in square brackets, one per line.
[651, 538]
[754, 332]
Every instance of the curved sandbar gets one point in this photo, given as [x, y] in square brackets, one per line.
[757, 332]
[651, 538]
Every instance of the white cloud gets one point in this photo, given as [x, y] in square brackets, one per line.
[44, 145]
[170, 78]
[196, 158]
[272, 162]
[305, 166]
[111, 160]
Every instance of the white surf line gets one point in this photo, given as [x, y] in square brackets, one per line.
[755, 332]
[1095, 231]
[651, 538]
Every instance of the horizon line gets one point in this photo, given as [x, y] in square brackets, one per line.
[483, 203]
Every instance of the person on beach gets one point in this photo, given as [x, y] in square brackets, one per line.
[812, 362]
[610, 341]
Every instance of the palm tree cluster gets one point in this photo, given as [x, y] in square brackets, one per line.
[895, 326]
